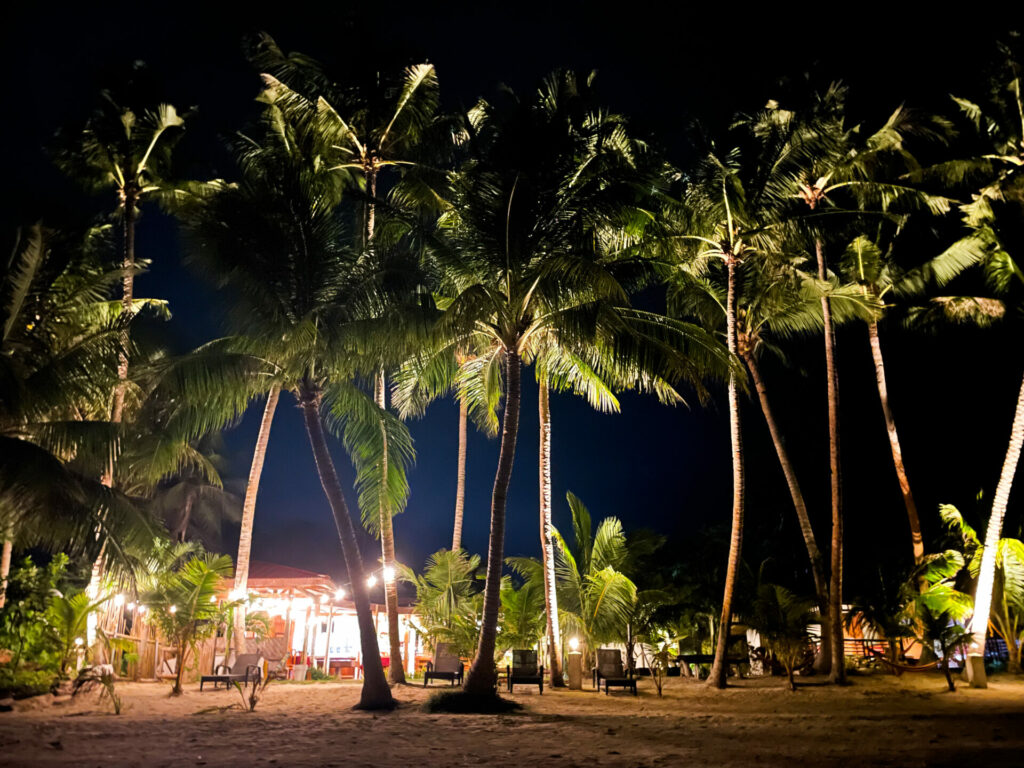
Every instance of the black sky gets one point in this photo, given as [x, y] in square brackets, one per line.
[664, 66]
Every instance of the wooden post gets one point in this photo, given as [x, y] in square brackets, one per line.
[327, 649]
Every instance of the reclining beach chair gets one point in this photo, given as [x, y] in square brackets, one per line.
[609, 668]
[445, 666]
[525, 670]
[248, 668]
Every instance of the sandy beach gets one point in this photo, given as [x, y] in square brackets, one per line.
[878, 720]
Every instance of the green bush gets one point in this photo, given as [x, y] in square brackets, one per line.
[22, 682]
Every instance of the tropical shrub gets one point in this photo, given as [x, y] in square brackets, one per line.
[781, 619]
[183, 605]
[448, 599]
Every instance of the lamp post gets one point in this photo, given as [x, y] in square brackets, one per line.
[575, 665]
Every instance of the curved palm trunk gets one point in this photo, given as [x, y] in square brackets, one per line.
[481, 676]
[547, 542]
[719, 667]
[835, 619]
[375, 694]
[5, 567]
[460, 482]
[249, 514]
[186, 517]
[396, 669]
[810, 542]
[987, 574]
[917, 541]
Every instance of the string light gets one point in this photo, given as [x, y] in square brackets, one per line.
[118, 600]
[173, 609]
[79, 641]
[388, 573]
[340, 594]
[372, 581]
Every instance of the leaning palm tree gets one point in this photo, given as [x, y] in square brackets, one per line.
[521, 277]
[315, 311]
[364, 131]
[991, 218]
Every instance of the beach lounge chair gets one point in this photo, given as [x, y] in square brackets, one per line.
[445, 666]
[609, 668]
[525, 670]
[248, 668]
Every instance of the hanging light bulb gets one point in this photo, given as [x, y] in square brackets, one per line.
[118, 600]
[574, 643]
[388, 573]
[173, 609]
[131, 606]
[372, 581]
[340, 594]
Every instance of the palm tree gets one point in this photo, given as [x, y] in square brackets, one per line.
[448, 598]
[365, 131]
[60, 338]
[833, 168]
[521, 278]
[596, 598]
[128, 152]
[183, 605]
[1008, 589]
[989, 217]
[775, 302]
[311, 308]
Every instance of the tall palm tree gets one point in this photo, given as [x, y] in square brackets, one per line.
[365, 131]
[995, 183]
[314, 310]
[834, 168]
[521, 278]
[128, 152]
[775, 301]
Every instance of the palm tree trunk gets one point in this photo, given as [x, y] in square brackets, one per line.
[396, 669]
[917, 540]
[186, 517]
[117, 408]
[481, 676]
[813, 553]
[5, 566]
[375, 694]
[987, 574]
[838, 673]
[460, 481]
[248, 515]
[719, 668]
[547, 542]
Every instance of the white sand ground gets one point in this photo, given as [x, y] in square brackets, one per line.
[876, 721]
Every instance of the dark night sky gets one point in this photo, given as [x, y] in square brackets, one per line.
[652, 466]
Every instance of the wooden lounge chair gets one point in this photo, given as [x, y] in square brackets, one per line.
[445, 666]
[609, 668]
[248, 668]
[525, 670]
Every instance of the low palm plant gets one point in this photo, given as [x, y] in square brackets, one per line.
[781, 619]
[448, 600]
[183, 605]
[68, 619]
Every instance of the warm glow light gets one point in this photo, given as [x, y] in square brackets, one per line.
[235, 595]
[213, 598]
[173, 609]
[323, 599]
[574, 643]
[340, 594]
[142, 609]
[388, 573]
[79, 641]
[118, 600]
[372, 581]
[131, 606]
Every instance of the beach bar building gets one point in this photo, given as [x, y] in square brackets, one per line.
[313, 622]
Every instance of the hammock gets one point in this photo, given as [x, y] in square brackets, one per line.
[899, 669]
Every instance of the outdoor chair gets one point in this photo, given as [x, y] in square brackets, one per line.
[525, 670]
[609, 668]
[445, 666]
[248, 668]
